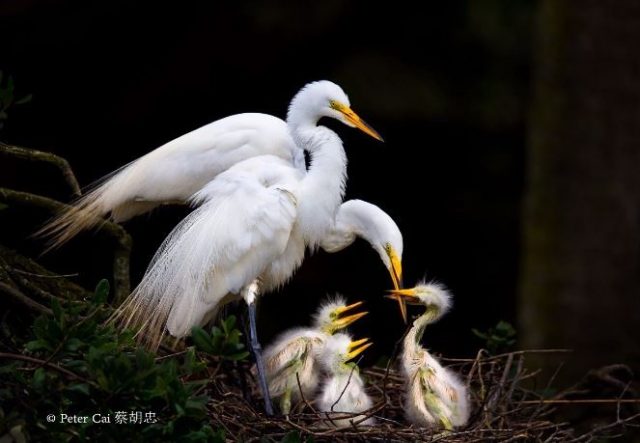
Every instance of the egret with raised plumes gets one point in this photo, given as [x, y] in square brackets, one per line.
[250, 231]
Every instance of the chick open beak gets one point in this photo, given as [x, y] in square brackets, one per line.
[395, 270]
[355, 349]
[343, 322]
[406, 295]
[356, 121]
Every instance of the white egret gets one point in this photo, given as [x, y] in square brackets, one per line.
[435, 396]
[343, 390]
[290, 361]
[357, 218]
[250, 231]
[178, 169]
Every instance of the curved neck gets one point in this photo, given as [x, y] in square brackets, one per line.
[322, 189]
[414, 336]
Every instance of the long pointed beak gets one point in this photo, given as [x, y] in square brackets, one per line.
[354, 350]
[356, 121]
[406, 295]
[395, 270]
[346, 321]
[344, 309]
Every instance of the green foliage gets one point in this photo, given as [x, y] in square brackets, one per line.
[223, 341]
[80, 367]
[8, 98]
[500, 338]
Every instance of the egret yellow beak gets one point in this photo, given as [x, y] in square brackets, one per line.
[395, 270]
[354, 350]
[406, 295]
[353, 119]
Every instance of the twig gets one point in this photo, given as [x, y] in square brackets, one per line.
[46, 157]
[47, 364]
[18, 295]
[121, 252]
[579, 401]
[304, 400]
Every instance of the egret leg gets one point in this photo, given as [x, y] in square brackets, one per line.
[257, 349]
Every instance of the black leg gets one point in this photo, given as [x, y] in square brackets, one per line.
[257, 354]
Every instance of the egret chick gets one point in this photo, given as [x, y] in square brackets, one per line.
[435, 396]
[343, 390]
[290, 361]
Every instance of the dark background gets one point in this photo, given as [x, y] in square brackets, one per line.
[468, 96]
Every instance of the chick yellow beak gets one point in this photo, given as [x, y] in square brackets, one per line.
[395, 270]
[346, 321]
[355, 349]
[406, 295]
[343, 322]
[356, 121]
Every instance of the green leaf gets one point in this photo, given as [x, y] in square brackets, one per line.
[39, 377]
[238, 356]
[101, 292]
[36, 345]
[73, 344]
[57, 310]
[201, 339]
[81, 388]
[291, 437]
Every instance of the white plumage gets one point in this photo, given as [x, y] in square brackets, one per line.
[343, 390]
[176, 170]
[290, 361]
[435, 396]
[254, 222]
[252, 227]
[358, 218]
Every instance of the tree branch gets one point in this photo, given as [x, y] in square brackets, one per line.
[121, 253]
[46, 157]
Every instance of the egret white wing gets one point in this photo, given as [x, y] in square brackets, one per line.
[175, 171]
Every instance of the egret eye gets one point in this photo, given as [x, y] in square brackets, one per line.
[334, 104]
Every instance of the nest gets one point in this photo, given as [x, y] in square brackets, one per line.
[504, 407]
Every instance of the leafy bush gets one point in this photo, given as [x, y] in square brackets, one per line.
[500, 338]
[76, 366]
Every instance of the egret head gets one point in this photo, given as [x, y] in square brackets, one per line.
[434, 296]
[330, 316]
[339, 350]
[326, 99]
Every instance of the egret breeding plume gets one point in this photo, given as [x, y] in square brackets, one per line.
[250, 231]
[435, 396]
[343, 390]
[178, 169]
[290, 361]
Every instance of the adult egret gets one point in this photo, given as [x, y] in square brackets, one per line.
[343, 390]
[290, 361]
[250, 231]
[178, 169]
[435, 396]
[357, 218]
